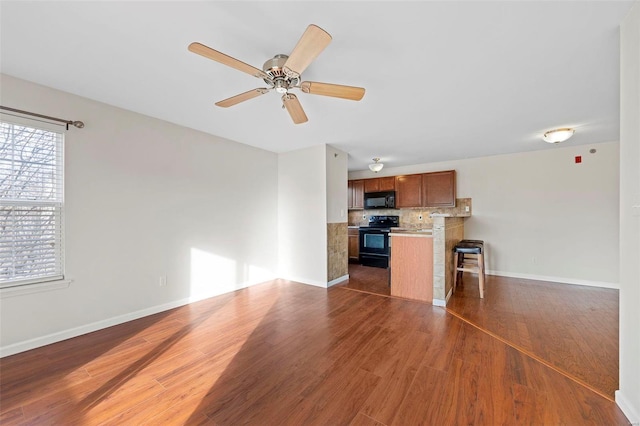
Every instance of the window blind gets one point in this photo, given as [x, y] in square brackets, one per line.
[31, 205]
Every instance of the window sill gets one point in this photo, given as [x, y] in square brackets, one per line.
[33, 288]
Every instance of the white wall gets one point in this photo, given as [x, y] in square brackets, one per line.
[541, 215]
[337, 164]
[144, 198]
[628, 397]
[302, 215]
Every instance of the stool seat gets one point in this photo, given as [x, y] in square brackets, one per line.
[468, 249]
[472, 241]
[474, 264]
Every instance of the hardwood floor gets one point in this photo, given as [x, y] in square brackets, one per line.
[286, 353]
[573, 328]
[368, 279]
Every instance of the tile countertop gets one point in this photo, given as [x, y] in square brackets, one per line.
[450, 215]
[427, 233]
[426, 226]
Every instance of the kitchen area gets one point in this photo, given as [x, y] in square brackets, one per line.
[401, 233]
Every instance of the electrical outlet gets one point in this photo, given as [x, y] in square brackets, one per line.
[163, 281]
[466, 209]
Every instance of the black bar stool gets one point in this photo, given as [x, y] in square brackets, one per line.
[473, 264]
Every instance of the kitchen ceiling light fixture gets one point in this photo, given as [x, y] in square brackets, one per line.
[376, 166]
[558, 135]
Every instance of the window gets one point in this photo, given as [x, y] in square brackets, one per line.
[31, 205]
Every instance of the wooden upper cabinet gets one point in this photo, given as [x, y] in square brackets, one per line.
[380, 184]
[355, 192]
[371, 185]
[439, 189]
[409, 191]
[387, 183]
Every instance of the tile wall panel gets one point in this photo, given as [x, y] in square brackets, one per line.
[338, 250]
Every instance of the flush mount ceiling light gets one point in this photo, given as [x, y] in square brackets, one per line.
[558, 135]
[376, 166]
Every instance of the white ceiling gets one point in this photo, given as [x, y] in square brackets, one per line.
[444, 80]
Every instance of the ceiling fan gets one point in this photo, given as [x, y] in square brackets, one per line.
[282, 73]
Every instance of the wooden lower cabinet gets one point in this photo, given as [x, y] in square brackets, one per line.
[354, 245]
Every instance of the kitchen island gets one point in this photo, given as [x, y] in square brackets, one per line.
[421, 261]
[412, 265]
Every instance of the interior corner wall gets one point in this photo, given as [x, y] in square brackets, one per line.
[542, 216]
[628, 396]
[302, 216]
[337, 166]
[144, 198]
[337, 230]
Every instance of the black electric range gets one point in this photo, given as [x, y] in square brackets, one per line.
[374, 240]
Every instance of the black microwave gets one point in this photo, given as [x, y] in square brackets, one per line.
[380, 200]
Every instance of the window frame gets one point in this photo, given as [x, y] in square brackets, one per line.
[57, 279]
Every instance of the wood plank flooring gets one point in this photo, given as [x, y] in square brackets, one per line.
[368, 279]
[569, 327]
[573, 328]
[283, 353]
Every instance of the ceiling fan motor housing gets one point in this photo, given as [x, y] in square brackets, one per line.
[279, 80]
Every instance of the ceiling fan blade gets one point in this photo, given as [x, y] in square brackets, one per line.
[227, 60]
[242, 97]
[294, 108]
[334, 90]
[313, 41]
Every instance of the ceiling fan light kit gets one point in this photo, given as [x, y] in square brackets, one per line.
[376, 166]
[558, 135]
[282, 73]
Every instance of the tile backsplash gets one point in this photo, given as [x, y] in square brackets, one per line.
[410, 217]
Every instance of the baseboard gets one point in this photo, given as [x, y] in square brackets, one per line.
[88, 328]
[632, 413]
[99, 325]
[561, 280]
[306, 281]
[338, 280]
[443, 302]
[446, 300]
